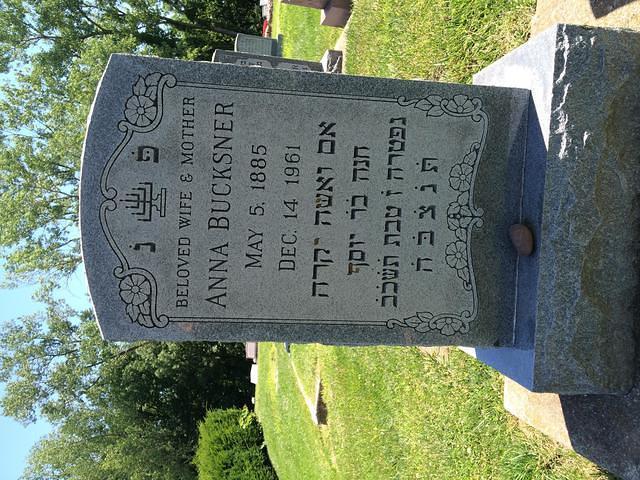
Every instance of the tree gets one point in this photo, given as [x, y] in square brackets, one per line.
[56, 51]
[119, 410]
[58, 29]
[115, 403]
[42, 121]
[130, 453]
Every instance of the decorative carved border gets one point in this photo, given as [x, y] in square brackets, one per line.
[462, 215]
[143, 113]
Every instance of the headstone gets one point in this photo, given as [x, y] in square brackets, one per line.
[332, 61]
[336, 13]
[257, 45]
[375, 211]
[319, 4]
[252, 60]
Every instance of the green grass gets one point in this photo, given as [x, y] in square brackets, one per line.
[303, 36]
[296, 447]
[307, 366]
[395, 413]
[445, 40]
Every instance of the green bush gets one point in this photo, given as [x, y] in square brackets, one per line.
[231, 447]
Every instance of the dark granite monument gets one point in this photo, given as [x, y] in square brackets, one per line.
[319, 4]
[335, 13]
[580, 288]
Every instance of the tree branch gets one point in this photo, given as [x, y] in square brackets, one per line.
[180, 25]
[93, 22]
[118, 355]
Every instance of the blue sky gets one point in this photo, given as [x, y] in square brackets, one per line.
[15, 439]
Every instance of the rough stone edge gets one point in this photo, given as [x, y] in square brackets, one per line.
[519, 363]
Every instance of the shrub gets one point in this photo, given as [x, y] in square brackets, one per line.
[231, 447]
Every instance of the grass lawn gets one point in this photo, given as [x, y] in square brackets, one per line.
[395, 413]
[446, 40]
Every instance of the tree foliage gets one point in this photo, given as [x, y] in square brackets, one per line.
[58, 29]
[119, 410]
[54, 52]
[42, 121]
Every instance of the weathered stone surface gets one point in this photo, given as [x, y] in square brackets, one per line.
[265, 61]
[602, 13]
[542, 411]
[582, 184]
[232, 203]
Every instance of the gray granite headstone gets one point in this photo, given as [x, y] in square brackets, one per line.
[265, 61]
[375, 211]
[258, 45]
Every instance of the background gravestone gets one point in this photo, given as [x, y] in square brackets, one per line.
[258, 45]
[252, 60]
[319, 4]
[374, 211]
[336, 13]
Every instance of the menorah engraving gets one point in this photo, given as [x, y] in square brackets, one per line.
[142, 203]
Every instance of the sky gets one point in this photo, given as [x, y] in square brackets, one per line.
[15, 439]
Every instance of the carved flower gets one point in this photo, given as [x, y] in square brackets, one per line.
[460, 177]
[449, 325]
[140, 110]
[458, 216]
[135, 290]
[456, 255]
[461, 104]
